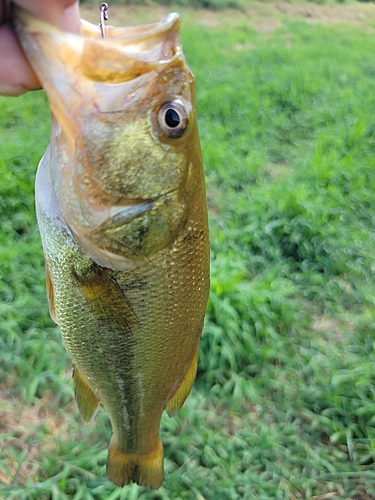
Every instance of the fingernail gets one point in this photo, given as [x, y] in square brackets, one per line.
[12, 91]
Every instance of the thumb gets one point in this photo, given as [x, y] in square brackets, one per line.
[17, 76]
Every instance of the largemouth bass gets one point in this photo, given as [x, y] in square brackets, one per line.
[122, 214]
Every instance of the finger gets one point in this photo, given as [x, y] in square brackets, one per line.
[17, 76]
[50, 11]
[71, 19]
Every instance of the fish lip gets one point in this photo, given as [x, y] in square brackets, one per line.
[25, 21]
[135, 33]
[122, 55]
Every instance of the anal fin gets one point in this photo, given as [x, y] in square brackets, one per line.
[87, 400]
[178, 398]
[145, 470]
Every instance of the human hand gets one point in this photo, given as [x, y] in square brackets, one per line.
[16, 74]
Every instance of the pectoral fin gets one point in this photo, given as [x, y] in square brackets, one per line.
[50, 294]
[87, 400]
[178, 398]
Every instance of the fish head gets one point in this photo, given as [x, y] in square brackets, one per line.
[124, 142]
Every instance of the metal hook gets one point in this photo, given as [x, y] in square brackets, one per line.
[103, 17]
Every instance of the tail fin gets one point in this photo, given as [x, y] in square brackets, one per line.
[145, 470]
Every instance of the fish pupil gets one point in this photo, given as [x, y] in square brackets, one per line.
[172, 118]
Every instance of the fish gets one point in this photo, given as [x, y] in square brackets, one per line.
[121, 209]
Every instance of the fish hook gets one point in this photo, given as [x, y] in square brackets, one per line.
[103, 17]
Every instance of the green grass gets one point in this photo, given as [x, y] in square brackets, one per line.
[284, 402]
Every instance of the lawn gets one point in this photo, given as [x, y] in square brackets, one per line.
[284, 402]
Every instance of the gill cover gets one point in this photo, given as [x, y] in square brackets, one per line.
[123, 109]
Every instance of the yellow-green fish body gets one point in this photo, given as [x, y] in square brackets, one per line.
[122, 214]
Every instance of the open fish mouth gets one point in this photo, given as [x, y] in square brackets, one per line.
[151, 41]
[123, 54]
[141, 49]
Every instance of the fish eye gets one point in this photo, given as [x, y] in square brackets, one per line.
[173, 118]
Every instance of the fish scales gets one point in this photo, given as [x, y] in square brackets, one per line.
[121, 209]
